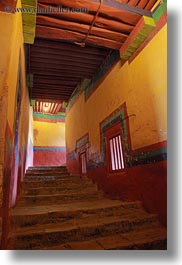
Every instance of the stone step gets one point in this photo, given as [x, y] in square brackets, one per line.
[48, 168]
[50, 177]
[29, 216]
[58, 189]
[58, 198]
[153, 239]
[47, 171]
[39, 236]
[52, 183]
[43, 172]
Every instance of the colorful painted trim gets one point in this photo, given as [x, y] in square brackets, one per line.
[71, 156]
[49, 148]
[78, 91]
[141, 31]
[119, 115]
[82, 141]
[159, 10]
[159, 25]
[29, 21]
[149, 154]
[48, 117]
[110, 61]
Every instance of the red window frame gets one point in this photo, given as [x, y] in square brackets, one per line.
[114, 149]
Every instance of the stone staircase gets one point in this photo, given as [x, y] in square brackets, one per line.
[57, 211]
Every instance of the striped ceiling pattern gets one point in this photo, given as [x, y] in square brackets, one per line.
[48, 107]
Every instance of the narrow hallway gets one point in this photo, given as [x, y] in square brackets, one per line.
[63, 212]
[83, 124]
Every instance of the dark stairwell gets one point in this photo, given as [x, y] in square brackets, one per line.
[56, 210]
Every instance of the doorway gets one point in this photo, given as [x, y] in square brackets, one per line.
[83, 163]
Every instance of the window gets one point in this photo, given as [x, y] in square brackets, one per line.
[114, 149]
[116, 153]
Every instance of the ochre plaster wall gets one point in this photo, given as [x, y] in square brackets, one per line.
[14, 146]
[49, 143]
[142, 85]
[139, 89]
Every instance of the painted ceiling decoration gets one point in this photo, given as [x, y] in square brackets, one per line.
[69, 41]
[48, 107]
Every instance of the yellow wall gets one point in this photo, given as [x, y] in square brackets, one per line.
[11, 58]
[11, 48]
[49, 134]
[142, 84]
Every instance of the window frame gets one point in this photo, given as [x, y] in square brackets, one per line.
[111, 133]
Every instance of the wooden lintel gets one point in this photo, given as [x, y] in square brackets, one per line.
[144, 27]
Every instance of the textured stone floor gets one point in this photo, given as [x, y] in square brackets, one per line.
[58, 211]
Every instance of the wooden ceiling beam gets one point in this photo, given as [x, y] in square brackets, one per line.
[53, 87]
[150, 4]
[54, 82]
[86, 65]
[63, 68]
[132, 2]
[112, 9]
[49, 100]
[60, 85]
[57, 78]
[142, 3]
[47, 96]
[66, 35]
[80, 28]
[86, 18]
[53, 92]
[71, 47]
[60, 73]
[52, 53]
[56, 58]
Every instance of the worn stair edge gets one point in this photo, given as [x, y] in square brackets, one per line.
[57, 198]
[48, 178]
[79, 206]
[38, 236]
[57, 189]
[46, 167]
[58, 216]
[152, 239]
[51, 183]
